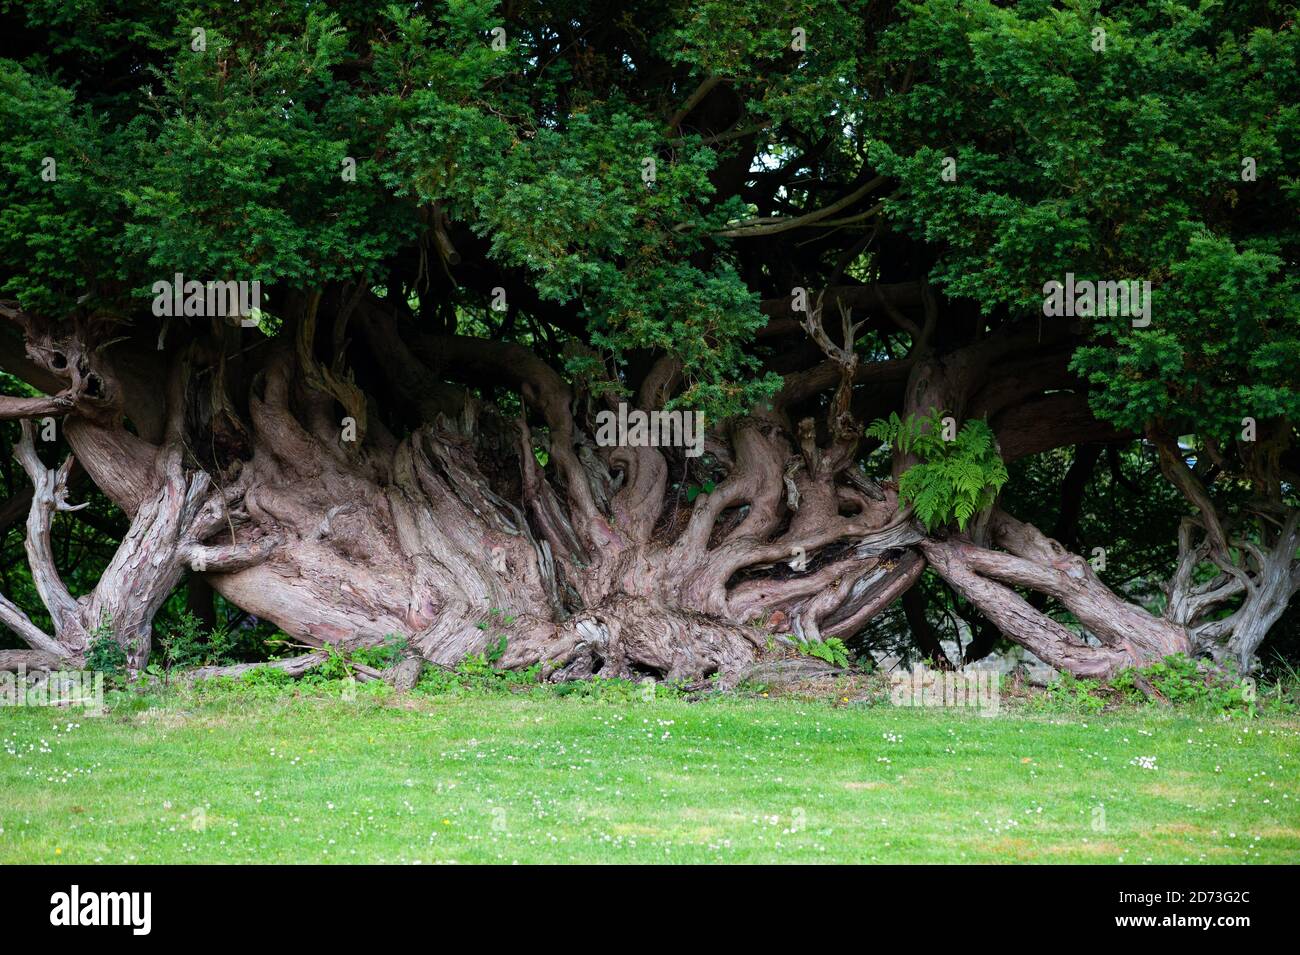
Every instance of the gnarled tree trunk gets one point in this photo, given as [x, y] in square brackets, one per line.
[1001, 553]
[1128, 635]
[308, 506]
[371, 493]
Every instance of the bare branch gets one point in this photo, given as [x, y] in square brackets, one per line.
[707, 86]
[29, 660]
[1018, 620]
[49, 494]
[23, 628]
[228, 558]
[754, 228]
[293, 666]
[12, 407]
[1181, 476]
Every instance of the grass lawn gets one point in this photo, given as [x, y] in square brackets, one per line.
[233, 777]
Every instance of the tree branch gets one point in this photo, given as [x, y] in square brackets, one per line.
[754, 228]
[49, 495]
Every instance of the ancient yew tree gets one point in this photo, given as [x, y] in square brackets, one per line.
[470, 228]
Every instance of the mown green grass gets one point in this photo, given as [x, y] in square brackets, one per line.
[237, 778]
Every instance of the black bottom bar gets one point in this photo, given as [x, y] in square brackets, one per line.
[298, 904]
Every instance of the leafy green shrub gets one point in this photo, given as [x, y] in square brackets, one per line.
[267, 676]
[104, 654]
[1182, 681]
[188, 644]
[478, 673]
[954, 480]
[383, 656]
[1175, 680]
[1178, 679]
[334, 667]
[1070, 694]
[1281, 694]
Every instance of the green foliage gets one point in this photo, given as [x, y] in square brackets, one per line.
[695, 490]
[267, 677]
[104, 654]
[336, 666]
[1182, 681]
[1176, 681]
[832, 650]
[476, 674]
[225, 163]
[954, 480]
[1070, 694]
[383, 656]
[1117, 163]
[1227, 345]
[187, 644]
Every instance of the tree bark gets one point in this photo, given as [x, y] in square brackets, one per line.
[304, 499]
[1128, 635]
[1230, 613]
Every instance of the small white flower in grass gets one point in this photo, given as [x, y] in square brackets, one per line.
[1145, 762]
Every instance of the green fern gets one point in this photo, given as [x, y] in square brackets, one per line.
[832, 650]
[954, 480]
